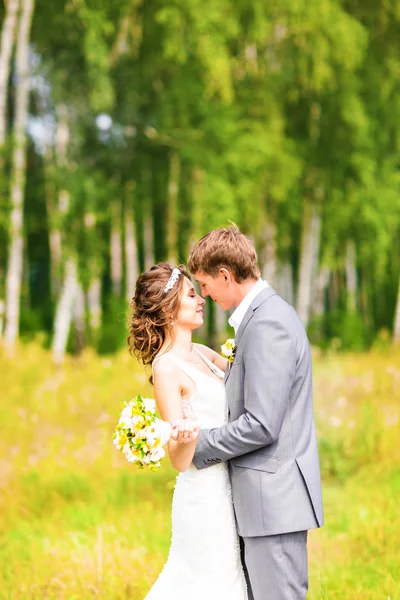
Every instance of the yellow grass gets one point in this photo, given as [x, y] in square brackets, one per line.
[78, 522]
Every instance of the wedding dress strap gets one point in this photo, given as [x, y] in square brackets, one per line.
[214, 368]
[187, 369]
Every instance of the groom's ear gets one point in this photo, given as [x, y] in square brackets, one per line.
[226, 274]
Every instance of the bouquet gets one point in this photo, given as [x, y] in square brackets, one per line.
[140, 435]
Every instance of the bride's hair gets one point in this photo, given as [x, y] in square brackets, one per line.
[153, 310]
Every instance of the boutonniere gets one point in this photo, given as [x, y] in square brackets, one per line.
[228, 350]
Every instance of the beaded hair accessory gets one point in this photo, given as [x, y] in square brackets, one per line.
[172, 280]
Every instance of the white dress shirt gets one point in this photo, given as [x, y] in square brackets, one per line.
[237, 317]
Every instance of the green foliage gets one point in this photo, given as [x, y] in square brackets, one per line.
[347, 328]
[265, 106]
[114, 330]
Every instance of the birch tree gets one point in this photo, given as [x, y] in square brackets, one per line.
[321, 284]
[351, 276]
[309, 250]
[116, 248]
[56, 203]
[64, 311]
[269, 261]
[148, 239]
[396, 327]
[285, 282]
[131, 260]
[6, 48]
[18, 176]
[93, 295]
[70, 286]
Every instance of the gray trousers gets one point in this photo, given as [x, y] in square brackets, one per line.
[276, 566]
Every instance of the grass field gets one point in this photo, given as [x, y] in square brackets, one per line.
[78, 522]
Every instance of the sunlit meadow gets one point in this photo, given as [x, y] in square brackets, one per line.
[78, 522]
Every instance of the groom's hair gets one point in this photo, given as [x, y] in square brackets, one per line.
[225, 247]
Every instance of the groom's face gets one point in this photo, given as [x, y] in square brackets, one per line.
[219, 288]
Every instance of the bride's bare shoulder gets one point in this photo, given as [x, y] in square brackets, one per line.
[164, 366]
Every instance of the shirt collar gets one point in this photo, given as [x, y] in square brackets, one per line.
[237, 317]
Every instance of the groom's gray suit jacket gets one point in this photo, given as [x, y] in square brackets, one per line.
[270, 439]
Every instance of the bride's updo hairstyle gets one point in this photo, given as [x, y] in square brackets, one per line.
[154, 309]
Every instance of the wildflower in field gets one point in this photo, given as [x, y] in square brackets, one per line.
[335, 421]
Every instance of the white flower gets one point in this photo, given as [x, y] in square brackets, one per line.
[163, 429]
[149, 405]
[131, 457]
[335, 421]
[228, 349]
[137, 419]
[126, 412]
[126, 449]
[158, 454]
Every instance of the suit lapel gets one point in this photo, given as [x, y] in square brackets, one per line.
[259, 299]
[227, 372]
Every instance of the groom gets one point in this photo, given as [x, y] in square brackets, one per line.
[270, 439]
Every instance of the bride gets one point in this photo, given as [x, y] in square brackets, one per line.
[204, 558]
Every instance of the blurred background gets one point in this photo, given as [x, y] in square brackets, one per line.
[128, 129]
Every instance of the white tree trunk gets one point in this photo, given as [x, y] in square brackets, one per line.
[351, 276]
[131, 260]
[2, 310]
[172, 227]
[52, 224]
[148, 241]
[285, 282]
[54, 209]
[269, 265]
[78, 314]
[321, 283]
[6, 47]
[309, 253]
[94, 290]
[94, 304]
[64, 311]
[15, 258]
[315, 247]
[116, 249]
[121, 45]
[396, 327]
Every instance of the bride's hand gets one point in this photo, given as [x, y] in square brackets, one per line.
[185, 431]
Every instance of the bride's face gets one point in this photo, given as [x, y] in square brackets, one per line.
[190, 313]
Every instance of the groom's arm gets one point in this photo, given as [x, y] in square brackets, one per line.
[269, 364]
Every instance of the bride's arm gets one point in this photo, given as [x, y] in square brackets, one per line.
[167, 390]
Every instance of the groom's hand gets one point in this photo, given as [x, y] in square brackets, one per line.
[185, 431]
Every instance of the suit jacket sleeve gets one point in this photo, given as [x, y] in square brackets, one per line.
[269, 361]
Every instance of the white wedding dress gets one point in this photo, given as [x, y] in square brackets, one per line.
[204, 557]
